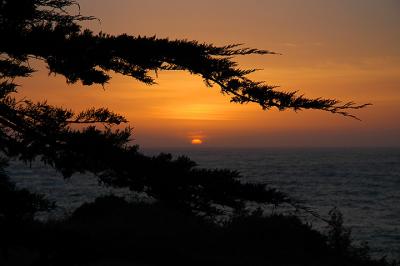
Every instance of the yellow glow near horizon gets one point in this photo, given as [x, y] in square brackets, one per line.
[197, 141]
[319, 59]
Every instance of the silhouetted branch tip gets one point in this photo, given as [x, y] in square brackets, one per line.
[29, 130]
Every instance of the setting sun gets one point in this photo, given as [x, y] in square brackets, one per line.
[197, 141]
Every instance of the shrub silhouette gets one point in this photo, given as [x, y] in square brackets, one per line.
[17, 210]
[116, 231]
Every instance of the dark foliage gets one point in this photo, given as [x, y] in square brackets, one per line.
[111, 231]
[18, 204]
[17, 210]
[44, 30]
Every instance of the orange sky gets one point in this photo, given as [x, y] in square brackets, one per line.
[345, 49]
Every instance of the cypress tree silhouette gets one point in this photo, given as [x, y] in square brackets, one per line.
[162, 232]
[45, 30]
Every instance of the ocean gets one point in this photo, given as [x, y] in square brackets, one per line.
[363, 183]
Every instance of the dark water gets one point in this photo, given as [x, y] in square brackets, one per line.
[363, 183]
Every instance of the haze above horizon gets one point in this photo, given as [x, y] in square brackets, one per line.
[347, 50]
